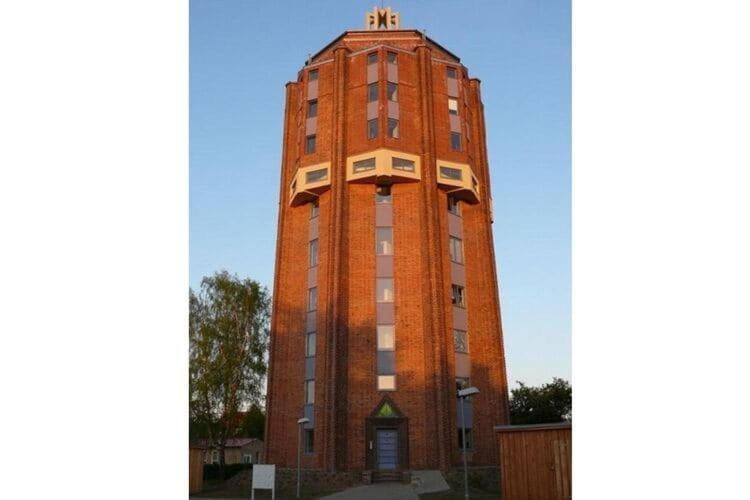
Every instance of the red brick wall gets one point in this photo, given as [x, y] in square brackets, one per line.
[424, 343]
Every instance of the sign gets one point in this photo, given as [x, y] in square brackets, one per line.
[264, 478]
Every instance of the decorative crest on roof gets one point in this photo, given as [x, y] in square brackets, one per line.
[381, 19]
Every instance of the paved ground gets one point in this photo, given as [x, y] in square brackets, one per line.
[377, 491]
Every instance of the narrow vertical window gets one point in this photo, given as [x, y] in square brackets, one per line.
[460, 341]
[450, 72]
[310, 144]
[392, 91]
[384, 290]
[372, 128]
[392, 58]
[386, 382]
[372, 92]
[314, 209]
[453, 206]
[383, 194]
[452, 106]
[456, 250]
[312, 75]
[312, 108]
[314, 253]
[309, 440]
[458, 296]
[386, 338]
[310, 344]
[393, 128]
[384, 241]
[312, 299]
[455, 141]
[309, 392]
[469, 439]
[372, 58]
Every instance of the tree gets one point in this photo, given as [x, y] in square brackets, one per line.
[548, 403]
[252, 424]
[229, 328]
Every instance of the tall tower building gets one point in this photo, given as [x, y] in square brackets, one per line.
[385, 290]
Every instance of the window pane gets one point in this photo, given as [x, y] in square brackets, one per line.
[309, 391]
[469, 440]
[458, 298]
[452, 106]
[312, 299]
[310, 344]
[372, 128]
[383, 194]
[372, 92]
[386, 382]
[313, 75]
[453, 206]
[316, 175]
[309, 440]
[392, 128]
[372, 58]
[363, 165]
[456, 250]
[384, 290]
[450, 72]
[402, 164]
[455, 141]
[314, 253]
[312, 109]
[392, 91]
[310, 144]
[392, 58]
[451, 173]
[314, 209]
[386, 337]
[460, 341]
[384, 241]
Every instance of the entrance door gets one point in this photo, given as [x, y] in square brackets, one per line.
[387, 449]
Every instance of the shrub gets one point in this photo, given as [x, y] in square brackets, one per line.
[211, 471]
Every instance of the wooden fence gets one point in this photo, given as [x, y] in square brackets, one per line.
[535, 461]
[196, 470]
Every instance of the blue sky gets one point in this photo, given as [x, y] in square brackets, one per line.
[241, 55]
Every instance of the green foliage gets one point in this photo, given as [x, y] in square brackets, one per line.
[252, 424]
[548, 403]
[229, 329]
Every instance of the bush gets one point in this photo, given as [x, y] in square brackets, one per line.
[211, 471]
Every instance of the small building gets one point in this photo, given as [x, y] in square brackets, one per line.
[236, 451]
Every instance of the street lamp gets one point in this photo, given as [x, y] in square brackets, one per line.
[462, 395]
[301, 422]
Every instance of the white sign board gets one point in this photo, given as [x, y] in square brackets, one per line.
[264, 478]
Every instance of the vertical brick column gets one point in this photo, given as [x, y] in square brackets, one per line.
[437, 421]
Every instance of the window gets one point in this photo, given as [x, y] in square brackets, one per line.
[460, 341]
[215, 456]
[386, 337]
[372, 92]
[455, 247]
[372, 128]
[309, 440]
[314, 253]
[392, 58]
[461, 383]
[392, 128]
[402, 164]
[309, 392]
[450, 72]
[364, 165]
[314, 209]
[383, 194]
[247, 459]
[384, 241]
[312, 75]
[392, 91]
[451, 173]
[316, 175]
[310, 344]
[312, 108]
[312, 299]
[372, 58]
[469, 439]
[458, 296]
[386, 382]
[453, 206]
[455, 141]
[310, 144]
[384, 290]
[452, 106]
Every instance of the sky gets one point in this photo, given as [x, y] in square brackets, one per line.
[241, 55]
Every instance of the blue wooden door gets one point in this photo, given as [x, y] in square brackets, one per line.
[387, 448]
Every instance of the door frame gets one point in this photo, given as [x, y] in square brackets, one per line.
[397, 422]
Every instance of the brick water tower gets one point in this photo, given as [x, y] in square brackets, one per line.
[385, 289]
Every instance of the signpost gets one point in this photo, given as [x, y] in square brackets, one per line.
[264, 478]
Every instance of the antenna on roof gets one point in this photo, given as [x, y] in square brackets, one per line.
[309, 59]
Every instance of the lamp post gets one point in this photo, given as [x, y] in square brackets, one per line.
[462, 395]
[301, 422]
